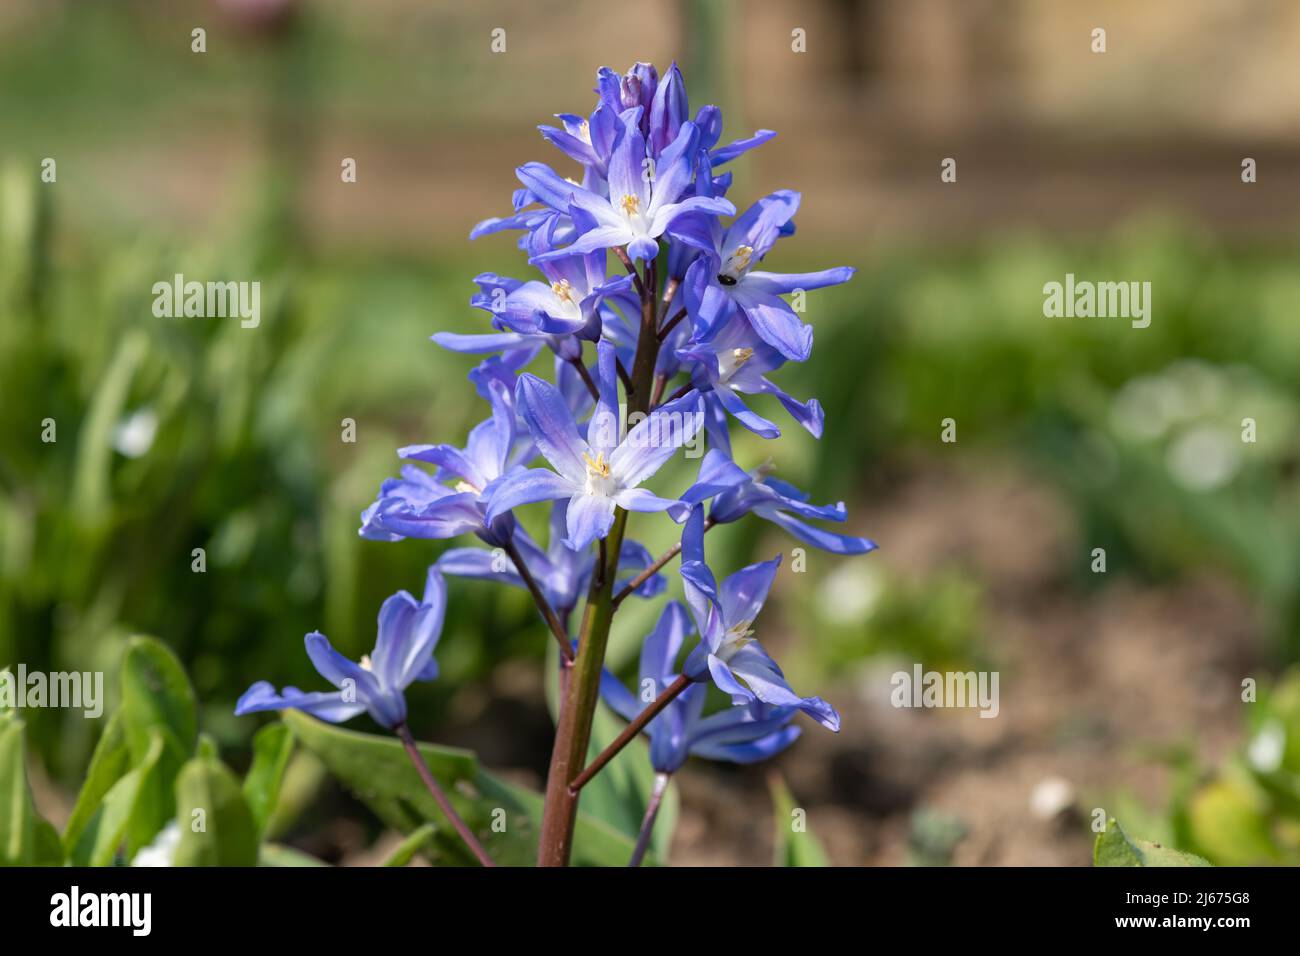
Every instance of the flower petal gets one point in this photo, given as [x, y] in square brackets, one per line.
[552, 426]
[589, 517]
[655, 439]
[526, 486]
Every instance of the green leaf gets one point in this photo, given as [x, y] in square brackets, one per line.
[1114, 847]
[379, 772]
[156, 695]
[794, 843]
[110, 762]
[26, 839]
[277, 854]
[217, 826]
[420, 838]
[91, 484]
[133, 810]
[272, 748]
[1229, 822]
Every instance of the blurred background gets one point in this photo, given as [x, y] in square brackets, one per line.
[1120, 690]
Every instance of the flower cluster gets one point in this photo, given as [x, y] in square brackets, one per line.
[655, 321]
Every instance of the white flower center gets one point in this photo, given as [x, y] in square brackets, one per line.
[730, 362]
[735, 265]
[737, 637]
[566, 305]
[631, 206]
[600, 483]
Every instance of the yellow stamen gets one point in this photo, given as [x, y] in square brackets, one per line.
[737, 636]
[740, 258]
[598, 466]
[631, 204]
[563, 290]
[741, 356]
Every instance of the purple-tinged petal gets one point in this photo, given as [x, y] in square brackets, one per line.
[664, 215]
[668, 110]
[479, 563]
[639, 499]
[446, 456]
[589, 517]
[766, 682]
[547, 185]
[626, 163]
[525, 487]
[776, 323]
[750, 751]
[655, 439]
[396, 623]
[623, 702]
[726, 154]
[602, 237]
[755, 422]
[675, 170]
[759, 226]
[743, 593]
[717, 474]
[481, 343]
[327, 705]
[783, 283]
[664, 643]
[727, 682]
[552, 426]
[819, 538]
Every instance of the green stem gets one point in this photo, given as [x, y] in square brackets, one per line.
[573, 734]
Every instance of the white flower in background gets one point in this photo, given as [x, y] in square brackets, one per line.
[1267, 747]
[135, 433]
[850, 593]
[1204, 457]
[163, 848]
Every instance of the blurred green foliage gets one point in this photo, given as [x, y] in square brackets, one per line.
[1243, 810]
[127, 442]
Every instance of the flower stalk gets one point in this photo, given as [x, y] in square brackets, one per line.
[648, 821]
[578, 709]
[634, 727]
[422, 768]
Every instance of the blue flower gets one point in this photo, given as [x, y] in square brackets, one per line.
[408, 634]
[644, 199]
[728, 652]
[722, 281]
[590, 142]
[566, 304]
[734, 362]
[785, 505]
[603, 471]
[562, 573]
[418, 505]
[741, 734]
